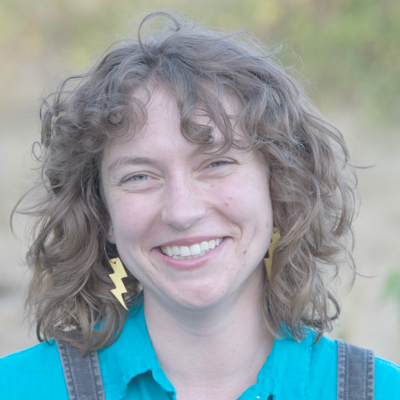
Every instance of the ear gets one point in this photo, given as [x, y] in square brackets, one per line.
[111, 234]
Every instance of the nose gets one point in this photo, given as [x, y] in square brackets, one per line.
[183, 205]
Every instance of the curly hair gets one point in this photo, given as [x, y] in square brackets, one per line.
[312, 181]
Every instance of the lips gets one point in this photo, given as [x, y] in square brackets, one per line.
[193, 251]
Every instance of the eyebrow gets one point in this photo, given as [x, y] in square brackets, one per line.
[120, 162]
[129, 161]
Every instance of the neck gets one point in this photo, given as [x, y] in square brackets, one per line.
[210, 352]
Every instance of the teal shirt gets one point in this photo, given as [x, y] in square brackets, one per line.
[130, 370]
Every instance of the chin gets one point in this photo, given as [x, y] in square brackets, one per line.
[201, 298]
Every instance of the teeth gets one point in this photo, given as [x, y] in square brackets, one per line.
[204, 246]
[186, 253]
[195, 250]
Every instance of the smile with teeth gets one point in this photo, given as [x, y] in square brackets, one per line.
[193, 251]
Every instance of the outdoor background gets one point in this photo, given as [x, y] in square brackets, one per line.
[348, 54]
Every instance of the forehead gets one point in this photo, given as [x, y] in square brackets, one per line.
[159, 100]
[163, 122]
[159, 109]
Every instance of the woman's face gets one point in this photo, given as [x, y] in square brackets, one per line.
[191, 227]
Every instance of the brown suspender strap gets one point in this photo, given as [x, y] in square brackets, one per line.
[356, 370]
[82, 374]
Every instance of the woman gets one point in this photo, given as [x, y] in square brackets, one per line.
[195, 204]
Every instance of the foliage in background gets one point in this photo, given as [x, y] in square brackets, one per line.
[350, 47]
[392, 287]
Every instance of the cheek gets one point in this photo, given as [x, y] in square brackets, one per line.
[247, 200]
[133, 220]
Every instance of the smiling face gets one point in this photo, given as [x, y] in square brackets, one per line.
[191, 227]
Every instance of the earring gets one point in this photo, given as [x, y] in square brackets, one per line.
[268, 260]
[116, 277]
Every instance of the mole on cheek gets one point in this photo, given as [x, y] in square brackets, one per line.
[226, 204]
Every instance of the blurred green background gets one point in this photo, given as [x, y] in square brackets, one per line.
[346, 52]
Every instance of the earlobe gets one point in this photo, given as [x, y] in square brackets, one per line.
[276, 235]
[110, 234]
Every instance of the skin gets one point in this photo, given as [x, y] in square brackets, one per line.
[203, 314]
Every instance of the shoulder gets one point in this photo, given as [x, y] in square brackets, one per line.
[324, 371]
[44, 355]
[387, 379]
[34, 373]
[324, 355]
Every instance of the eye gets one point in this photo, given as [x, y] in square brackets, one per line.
[220, 163]
[137, 178]
[140, 177]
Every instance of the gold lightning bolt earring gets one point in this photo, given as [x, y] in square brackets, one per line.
[268, 260]
[116, 277]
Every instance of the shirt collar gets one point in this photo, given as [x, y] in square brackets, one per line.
[285, 374]
[130, 355]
